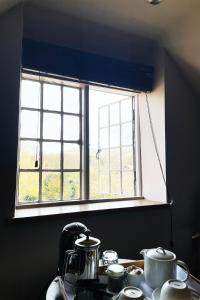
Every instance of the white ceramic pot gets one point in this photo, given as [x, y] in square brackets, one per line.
[135, 276]
[160, 266]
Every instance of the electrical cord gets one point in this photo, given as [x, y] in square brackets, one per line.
[162, 172]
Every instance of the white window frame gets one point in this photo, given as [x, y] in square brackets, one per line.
[83, 141]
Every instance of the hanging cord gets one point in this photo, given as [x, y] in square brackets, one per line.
[162, 172]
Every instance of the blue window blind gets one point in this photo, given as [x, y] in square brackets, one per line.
[84, 66]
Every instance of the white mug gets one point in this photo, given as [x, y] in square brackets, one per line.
[177, 290]
[129, 293]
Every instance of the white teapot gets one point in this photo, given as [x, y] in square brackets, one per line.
[160, 266]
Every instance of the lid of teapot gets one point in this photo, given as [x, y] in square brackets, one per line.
[160, 254]
[87, 241]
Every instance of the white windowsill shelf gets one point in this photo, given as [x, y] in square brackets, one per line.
[83, 208]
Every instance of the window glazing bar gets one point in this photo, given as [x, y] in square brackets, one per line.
[86, 150]
[40, 144]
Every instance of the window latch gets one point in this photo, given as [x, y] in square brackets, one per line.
[97, 154]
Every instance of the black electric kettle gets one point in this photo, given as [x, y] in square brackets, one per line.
[70, 233]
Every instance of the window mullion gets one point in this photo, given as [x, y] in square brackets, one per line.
[120, 141]
[40, 143]
[62, 146]
[86, 150]
[109, 171]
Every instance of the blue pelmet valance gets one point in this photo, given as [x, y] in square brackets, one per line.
[84, 66]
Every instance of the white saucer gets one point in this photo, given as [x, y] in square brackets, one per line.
[156, 295]
[116, 297]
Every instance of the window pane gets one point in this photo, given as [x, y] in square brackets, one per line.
[103, 116]
[51, 126]
[115, 183]
[115, 159]
[103, 138]
[71, 188]
[50, 186]
[71, 100]
[127, 158]
[28, 152]
[30, 94]
[114, 113]
[71, 156]
[71, 128]
[127, 134]
[108, 115]
[51, 155]
[114, 136]
[30, 124]
[104, 160]
[28, 186]
[103, 183]
[51, 97]
[128, 183]
[126, 110]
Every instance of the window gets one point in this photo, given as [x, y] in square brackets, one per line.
[76, 142]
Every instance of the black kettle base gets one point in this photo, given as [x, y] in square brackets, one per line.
[93, 289]
[95, 295]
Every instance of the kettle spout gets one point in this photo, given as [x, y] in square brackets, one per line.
[143, 252]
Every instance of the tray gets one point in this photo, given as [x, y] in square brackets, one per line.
[66, 292]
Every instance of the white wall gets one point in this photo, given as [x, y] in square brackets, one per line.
[153, 186]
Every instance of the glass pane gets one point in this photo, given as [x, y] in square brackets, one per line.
[103, 183]
[114, 113]
[71, 100]
[28, 186]
[128, 183]
[103, 138]
[51, 126]
[115, 183]
[51, 97]
[50, 186]
[127, 158]
[104, 160]
[51, 155]
[127, 134]
[71, 156]
[71, 128]
[71, 188]
[103, 116]
[30, 94]
[114, 136]
[94, 167]
[30, 124]
[115, 159]
[126, 110]
[28, 152]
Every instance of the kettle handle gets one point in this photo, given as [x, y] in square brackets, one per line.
[70, 262]
[185, 267]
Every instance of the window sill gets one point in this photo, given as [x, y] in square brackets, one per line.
[84, 208]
